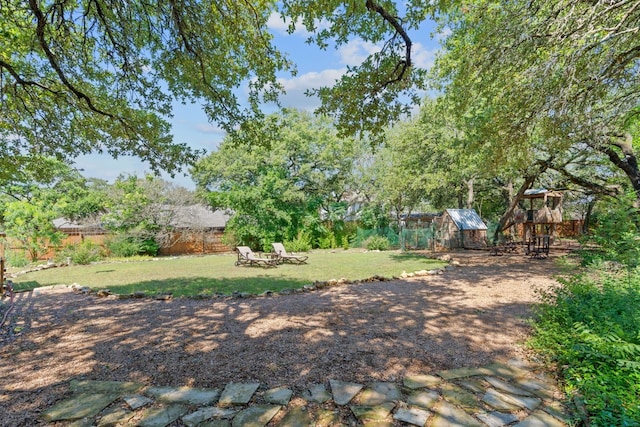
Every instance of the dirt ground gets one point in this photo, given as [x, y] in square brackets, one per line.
[473, 314]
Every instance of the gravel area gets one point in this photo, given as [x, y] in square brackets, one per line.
[473, 314]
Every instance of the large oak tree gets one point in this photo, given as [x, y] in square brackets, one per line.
[78, 76]
[540, 82]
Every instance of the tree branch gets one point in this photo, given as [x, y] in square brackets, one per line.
[19, 80]
[405, 64]
[40, 33]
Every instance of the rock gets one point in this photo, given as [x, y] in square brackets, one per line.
[343, 392]
[415, 416]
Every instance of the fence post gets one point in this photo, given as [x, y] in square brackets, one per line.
[1, 276]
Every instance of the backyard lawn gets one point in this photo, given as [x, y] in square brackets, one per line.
[217, 274]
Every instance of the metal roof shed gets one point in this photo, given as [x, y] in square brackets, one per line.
[467, 219]
[461, 228]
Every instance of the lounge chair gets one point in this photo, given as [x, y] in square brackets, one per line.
[247, 257]
[283, 256]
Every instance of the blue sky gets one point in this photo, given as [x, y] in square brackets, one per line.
[315, 68]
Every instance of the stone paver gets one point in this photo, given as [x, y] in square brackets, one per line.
[458, 396]
[373, 413]
[79, 406]
[492, 396]
[498, 401]
[423, 398]
[162, 416]
[297, 417]
[115, 417]
[530, 403]
[317, 393]
[137, 401]
[238, 393]
[255, 416]
[507, 387]
[343, 392]
[540, 419]
[415, 416]
[453, 374]
[327, 418]
[191, 396]
[203, 414]
[278, 395]
[448, 415]
[497, 419]
[380, 392]
[421, 381]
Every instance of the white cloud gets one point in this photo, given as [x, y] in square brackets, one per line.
[423, 57]
[443, 34]
[356, 51]
[281, 26]
[297, 86]
[208, 128]
[277, 24]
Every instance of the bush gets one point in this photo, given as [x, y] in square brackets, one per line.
[377, 243]
[302, 243]
[345, 242]
[149, 247]
[16, 259]
[82, 253]
[128, 246]
[328, 242]
[592, 330]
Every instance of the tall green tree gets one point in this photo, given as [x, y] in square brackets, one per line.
[32, 199]
[540, 82]
[143, 212]
[101, 75]
[428, 161]
[279, 186]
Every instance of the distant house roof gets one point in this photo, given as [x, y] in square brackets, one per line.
[199, 216]
[66, 224]
[466, 219]
[191, 216]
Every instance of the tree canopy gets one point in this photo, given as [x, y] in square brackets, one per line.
[277, 188]
[542, 83]
[101, 75]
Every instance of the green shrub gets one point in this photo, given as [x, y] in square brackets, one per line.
[149, 247]
[16, 259]
[592, 329]
[82, 253]
[328, 241]
[345, 242]
[121, 246]
[302, 243]
[377, 243]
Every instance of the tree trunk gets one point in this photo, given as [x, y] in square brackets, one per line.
[470, 194]
[587, 217]
[514, 202]
[628, 164]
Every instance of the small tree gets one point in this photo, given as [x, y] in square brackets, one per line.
[31, 224]
[618, 231]
[143, 212]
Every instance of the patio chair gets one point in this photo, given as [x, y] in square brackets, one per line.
[247, 257]
[283, 256]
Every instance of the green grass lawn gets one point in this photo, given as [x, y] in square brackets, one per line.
[217, 274]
